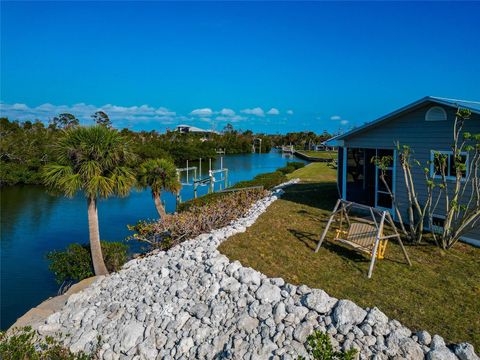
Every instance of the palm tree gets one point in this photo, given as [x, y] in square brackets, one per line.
[160, 175]
[92, 160]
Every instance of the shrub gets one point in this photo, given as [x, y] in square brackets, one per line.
[24, 344]
[320, 348]
[75, 262]
[291, 167]
[13, 173]
[272, 179]
[175, 228]
[267, 180]
[201, 201]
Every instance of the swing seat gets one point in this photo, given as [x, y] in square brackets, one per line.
[361, 237]
[366, 237]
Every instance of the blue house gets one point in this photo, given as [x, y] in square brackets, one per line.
[427, 127]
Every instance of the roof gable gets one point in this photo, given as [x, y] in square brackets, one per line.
[473, 106]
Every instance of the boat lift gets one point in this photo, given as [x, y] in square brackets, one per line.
[209, 180]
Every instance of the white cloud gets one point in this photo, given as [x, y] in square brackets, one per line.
[335, 117]
[129, 116]
[202, 112]
[227, 112]
[344, 122]
[120, 115]
[255, 111]
[273, 111]
[235, 118]
[164, 111]
[19, 106]
[290, 112]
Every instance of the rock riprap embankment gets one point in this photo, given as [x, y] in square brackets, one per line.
[192, 302]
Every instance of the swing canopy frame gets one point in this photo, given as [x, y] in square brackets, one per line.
[364, 234]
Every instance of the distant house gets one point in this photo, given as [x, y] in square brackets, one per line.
[186, 129]
[426, 126]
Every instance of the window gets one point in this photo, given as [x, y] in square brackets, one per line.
[436, 113]
[440, 159]
[437, 223]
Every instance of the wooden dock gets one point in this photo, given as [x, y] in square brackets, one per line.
[312, 158]
[288, 149]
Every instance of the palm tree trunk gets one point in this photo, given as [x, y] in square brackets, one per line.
[158, 204]
[95, 247]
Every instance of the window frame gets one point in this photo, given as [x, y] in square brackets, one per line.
[435, 108]
[436, 228]
[450, 155]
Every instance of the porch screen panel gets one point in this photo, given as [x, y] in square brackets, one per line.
[383, 198]
[340, 171]
[356, 175]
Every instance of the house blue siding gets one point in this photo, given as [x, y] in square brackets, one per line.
[410, 128]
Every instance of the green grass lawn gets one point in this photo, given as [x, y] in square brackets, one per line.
[320, 154]
[439, 293]
[315, 172]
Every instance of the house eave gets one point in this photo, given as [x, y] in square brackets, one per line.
[403, 109]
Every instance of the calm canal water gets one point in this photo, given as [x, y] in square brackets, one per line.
[34, 223]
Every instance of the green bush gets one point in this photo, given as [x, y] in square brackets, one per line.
[172, 229]
[75, 262]
[291, 167]
[320, 348]
[13, 173]
[267, 180]
[202, 200]
[24, 344]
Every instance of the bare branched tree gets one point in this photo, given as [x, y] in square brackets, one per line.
[459, 186]
[452, 187]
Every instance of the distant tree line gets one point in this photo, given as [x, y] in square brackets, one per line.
[27, 146]
[301, 139]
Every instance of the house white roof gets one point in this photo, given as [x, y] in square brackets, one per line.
[194, 129]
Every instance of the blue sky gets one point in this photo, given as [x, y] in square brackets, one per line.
[272, 67]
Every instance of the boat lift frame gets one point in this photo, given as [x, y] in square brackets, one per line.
[209, 180]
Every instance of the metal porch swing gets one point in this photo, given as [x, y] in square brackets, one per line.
[363, 235]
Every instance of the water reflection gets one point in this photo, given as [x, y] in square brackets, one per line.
[26, 202]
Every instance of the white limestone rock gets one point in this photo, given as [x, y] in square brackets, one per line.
[318, 300]
[87, 338]
[249, 276]
[424, 337]
[131, 335]
[268, 293]
[465, 351]
[247, 323]
[441, 353]
[347, 312]
[185, 345]
[302, 331]
[192, 302]
[375, 316]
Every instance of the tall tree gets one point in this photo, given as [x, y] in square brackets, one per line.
[92, 160]
[65, 121]
[159, 175]
[101, 118]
